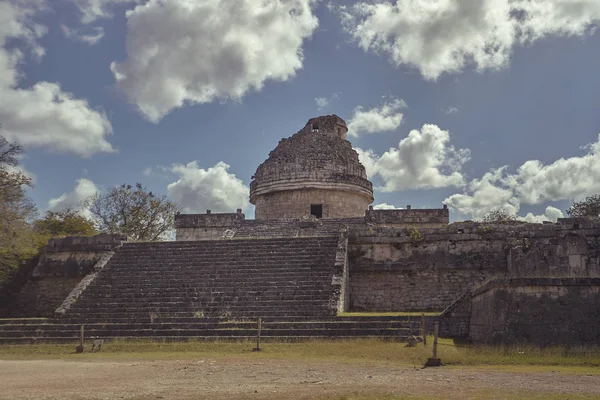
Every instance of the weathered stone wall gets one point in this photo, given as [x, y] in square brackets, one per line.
[539, 311]
[63, 263]
[426, 269]
[207, 226]
[421, 218]
[296, 204]
[390, 270]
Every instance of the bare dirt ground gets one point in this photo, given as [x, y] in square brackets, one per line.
[271, 379]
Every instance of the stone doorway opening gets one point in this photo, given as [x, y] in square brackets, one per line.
[316, 210]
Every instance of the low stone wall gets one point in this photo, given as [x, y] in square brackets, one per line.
[421, 218]
[207, 226]
[538, 311]
[62, 264]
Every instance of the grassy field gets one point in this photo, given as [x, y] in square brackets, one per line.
[352, 350]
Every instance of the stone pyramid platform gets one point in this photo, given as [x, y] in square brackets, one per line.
[212, 290]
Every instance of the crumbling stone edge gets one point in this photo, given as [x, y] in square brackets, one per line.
[338, 301]
[84, 283]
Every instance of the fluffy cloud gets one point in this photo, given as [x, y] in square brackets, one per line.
[385, 206]
[484, 195]
[42, 115]
[75, 200]
[92, 10]
[186, 52]
[387, 117]
[198, 190]
[551, 214]
[448, 35]
[323, 102]
[93, 36]
[424, 159]
[532, 183]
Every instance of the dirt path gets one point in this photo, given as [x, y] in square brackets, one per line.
[271, 379]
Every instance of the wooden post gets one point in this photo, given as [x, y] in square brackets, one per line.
[423, 331]
[79, 349]
[435, 361]
[436, 332]
[257, 348]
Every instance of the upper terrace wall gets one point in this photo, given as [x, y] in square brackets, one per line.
[396, 269]
[207, 226]
[422, 218]
[211, 226]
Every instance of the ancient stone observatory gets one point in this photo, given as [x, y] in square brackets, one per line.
[313, 172]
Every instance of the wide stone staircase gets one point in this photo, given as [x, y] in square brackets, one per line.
[212, 290]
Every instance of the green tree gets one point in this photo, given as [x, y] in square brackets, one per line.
[134, 211]
[65, 223]
[498, 216]
[18, 241]
[590, 207]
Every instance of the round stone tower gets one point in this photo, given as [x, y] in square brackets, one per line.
[314, 172]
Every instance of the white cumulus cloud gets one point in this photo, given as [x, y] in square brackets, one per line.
[92, 10]
[216, 189]
[386, 117]
[75, 200]
[385, 206]
[43, 114]
[89, 36]
[445, 36]
[187, 52]
[551, 214]
[322, 102]
[424, 159]
[533, 183]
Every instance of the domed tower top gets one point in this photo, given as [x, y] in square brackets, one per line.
[314, 172]
[327, 125]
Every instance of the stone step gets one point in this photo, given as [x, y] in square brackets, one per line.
[185, 295]
[205, 325]
[243, 339]
[315, 308]
[179, 276]
[196, 302]
[215, 332]
[205, 259]
[84, 318]
[219, 244]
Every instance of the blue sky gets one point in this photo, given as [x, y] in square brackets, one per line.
[486, 106]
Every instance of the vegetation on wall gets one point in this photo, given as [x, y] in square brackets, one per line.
[498, 216]
[415, 235]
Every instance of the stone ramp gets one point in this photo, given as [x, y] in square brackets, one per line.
[212, 329]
